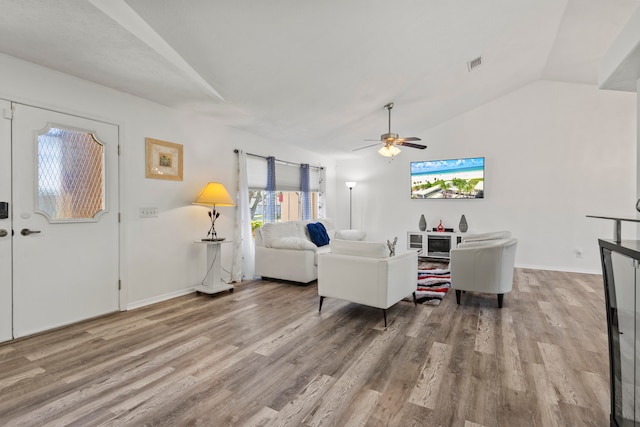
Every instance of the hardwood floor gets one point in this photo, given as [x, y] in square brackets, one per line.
[264, 356]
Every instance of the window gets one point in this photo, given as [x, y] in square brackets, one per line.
[287, 196]
[70, 169]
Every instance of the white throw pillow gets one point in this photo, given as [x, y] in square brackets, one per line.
[328, 223]
[276, 230]
[293, 243]
[350, 234]
[357, 248]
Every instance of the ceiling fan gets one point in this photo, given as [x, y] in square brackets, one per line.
[391, 140]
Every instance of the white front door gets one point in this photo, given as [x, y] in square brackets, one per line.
[65, 219]
[5, 222]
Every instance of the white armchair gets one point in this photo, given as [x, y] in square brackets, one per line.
[483, 266]
[364, 273]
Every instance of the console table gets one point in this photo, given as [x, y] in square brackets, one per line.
[433, 244]
[213, 282]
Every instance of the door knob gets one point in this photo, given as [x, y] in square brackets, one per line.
[26, 231]
[3, 232]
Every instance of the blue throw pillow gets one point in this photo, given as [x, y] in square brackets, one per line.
[318, 234]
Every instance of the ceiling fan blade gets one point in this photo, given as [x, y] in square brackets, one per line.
[409, 138]
[412, 145]
[366, 146]
[372, 140]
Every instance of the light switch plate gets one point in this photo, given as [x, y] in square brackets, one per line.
[148, 212]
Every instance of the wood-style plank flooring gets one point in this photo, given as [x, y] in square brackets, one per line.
[264, 356]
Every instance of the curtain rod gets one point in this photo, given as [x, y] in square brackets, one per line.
[278, 160]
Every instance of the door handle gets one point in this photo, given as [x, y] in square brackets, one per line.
[26, 231]
[3, 232]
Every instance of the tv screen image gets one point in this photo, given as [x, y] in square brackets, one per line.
[448, 179]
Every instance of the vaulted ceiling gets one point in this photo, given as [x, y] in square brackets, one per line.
[316, 73]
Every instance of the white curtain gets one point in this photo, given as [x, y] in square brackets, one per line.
[322, 188]
[243, 265]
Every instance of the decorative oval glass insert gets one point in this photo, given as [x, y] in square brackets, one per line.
[70, 175]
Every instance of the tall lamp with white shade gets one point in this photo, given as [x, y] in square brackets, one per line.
[350, 185]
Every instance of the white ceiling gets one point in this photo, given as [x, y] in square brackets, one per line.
[316, 73]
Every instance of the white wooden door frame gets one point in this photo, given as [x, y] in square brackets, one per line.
[6, 298]
[121, 295]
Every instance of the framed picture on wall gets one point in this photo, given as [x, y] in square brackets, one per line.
[164, 160]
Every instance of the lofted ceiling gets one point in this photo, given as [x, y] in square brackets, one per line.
[316, 74]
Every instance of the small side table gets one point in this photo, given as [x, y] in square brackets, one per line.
[214, 283]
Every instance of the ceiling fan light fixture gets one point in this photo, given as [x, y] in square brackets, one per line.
[391, 140]
[389, 151]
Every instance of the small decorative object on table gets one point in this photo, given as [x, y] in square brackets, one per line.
[213, 215]
[423, 223]
[463, 226]
[392, 246]
[440, 227]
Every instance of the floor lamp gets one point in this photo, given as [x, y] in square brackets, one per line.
[350, 185]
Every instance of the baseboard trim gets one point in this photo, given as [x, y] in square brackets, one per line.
[564, 269]
[159, 298]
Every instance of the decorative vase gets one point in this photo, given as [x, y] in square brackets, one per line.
[423, 223]
[440, 227]
[463, 226]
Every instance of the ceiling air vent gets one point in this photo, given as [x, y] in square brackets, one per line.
[474, 63]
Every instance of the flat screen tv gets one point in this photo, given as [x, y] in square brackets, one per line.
[448, 179]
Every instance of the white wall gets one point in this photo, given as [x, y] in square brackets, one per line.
[554, 152]
[159, 256]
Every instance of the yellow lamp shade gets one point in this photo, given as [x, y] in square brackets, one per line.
[214, 194]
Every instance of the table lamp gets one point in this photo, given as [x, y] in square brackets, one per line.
[212, 195]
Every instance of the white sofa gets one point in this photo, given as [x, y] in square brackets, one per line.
[364, 273]
[284, 250]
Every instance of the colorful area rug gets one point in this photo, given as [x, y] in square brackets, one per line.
[433, 285]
